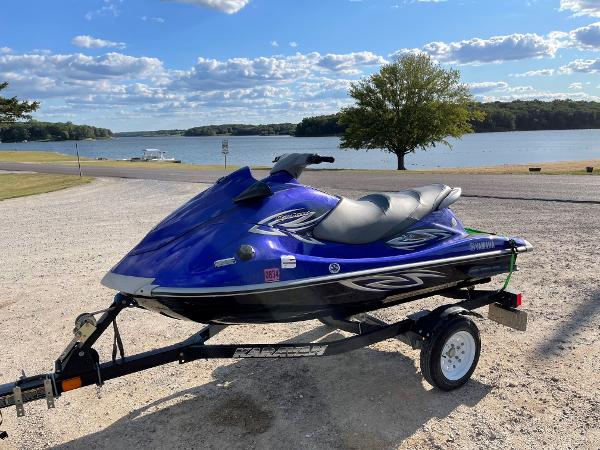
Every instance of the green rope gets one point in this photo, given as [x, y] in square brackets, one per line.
[474, 231]
[513, 257]
[511, 269]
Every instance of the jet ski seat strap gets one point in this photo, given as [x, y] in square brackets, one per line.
[383, 215]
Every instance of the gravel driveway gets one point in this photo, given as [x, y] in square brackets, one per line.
[538, 389]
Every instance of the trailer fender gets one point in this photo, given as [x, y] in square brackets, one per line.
[459, 310]
[427, 323]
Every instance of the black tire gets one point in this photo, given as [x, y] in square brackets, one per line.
[431, 353]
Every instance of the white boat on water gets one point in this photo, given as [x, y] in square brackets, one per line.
[154, 155]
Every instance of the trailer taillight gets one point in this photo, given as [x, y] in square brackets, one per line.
[518, 299]
[71, 383]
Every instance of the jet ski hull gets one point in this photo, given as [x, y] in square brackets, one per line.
[248, 251]
[322, 297]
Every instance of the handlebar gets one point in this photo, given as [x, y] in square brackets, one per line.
[318, 159]
[295, 163]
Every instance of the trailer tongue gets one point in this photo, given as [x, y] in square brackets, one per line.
[431, 331]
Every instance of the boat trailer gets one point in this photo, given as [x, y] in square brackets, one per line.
[79, 365]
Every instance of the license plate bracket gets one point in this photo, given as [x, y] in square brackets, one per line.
[509, 317]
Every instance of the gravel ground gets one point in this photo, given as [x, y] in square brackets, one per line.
[538, 389]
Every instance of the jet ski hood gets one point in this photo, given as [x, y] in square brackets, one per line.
[211, 227]
[209, 206]
[218, 205]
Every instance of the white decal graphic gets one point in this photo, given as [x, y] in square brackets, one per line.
[415, 238]
[334, 267]
[224, 262]
[288, 262]
[295, 223]
[382, 283]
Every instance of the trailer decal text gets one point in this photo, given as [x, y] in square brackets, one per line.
[281, 352]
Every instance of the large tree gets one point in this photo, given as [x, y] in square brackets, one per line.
[412, 103]
[12, 109]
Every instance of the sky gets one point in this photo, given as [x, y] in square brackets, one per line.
[164, 64]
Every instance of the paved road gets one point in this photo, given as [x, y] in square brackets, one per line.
[562, 188]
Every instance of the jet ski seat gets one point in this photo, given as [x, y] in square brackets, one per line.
[383, 215]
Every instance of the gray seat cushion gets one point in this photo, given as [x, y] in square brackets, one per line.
[383, 215]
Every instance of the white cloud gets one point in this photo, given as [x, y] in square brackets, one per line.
[486, 86]
[108, 9]
[5, 50]
[587, 37]
[274, 44]
[324, 88]
[293, 44]
[581, 7]
[226, 6]
[535, 73]
[349, 62]
[541, 95]
[212, 74]
[118, 87]
[576, 86]
[86, 41]
[67, 69]
[582, 66]
[520, 89]
[234, 73]
[122, 87]
[492, 50]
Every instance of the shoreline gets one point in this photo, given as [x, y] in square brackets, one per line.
[574, 167]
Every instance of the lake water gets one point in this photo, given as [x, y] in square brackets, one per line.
[472, 150]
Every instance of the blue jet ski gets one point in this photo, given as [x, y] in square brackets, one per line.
[275, 250]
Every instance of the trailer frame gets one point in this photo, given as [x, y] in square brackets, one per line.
[79, 365]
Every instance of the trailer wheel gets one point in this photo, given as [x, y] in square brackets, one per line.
[450, 355]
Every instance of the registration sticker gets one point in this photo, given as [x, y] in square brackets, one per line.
[288, 262]
[271, 275]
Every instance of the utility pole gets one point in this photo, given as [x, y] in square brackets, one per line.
[78, 163]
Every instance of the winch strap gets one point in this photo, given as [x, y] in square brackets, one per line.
[511, 268]
[117, 343]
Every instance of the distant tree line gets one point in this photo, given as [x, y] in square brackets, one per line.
[538, 115]
[320, 126]
[499, 116]
[149, 133]
[242, 130]
[47, 131]
[327, 125]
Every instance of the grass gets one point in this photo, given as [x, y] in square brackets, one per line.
[146, 165]
[28, 156]
[549, 168]
[21, 184]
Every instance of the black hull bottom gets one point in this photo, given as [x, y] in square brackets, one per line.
[339, 298]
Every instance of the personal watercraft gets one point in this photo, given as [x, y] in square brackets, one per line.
[275, 250]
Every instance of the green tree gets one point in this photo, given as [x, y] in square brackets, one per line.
[11, 109]
[410, 104]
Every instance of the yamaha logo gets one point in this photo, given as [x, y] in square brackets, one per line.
[334, 268]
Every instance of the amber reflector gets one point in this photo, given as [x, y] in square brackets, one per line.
[71, 383]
